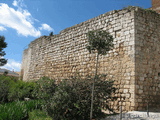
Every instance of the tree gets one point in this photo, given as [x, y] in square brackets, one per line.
[99, 42]
[3, 45]
[5, 73]
[51, 34]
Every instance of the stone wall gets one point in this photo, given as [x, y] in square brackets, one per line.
[156, 5]
[147, 56]
[64, 55]
[25, 63]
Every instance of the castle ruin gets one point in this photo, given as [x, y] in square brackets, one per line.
[134, 63]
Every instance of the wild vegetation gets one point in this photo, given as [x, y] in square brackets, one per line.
[70, 99]
[77, 98]
[12, 94]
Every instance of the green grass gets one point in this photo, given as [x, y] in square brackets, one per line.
[38, 115]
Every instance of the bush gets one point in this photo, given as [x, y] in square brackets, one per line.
[44, 89]
[12, 89]
[38, 115]
[18, 110]
[72, 99]
[4, 88]
[20, 90]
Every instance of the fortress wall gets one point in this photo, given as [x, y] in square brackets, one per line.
[147, 55]
[25, 63]
[156, 5]
[64, 55]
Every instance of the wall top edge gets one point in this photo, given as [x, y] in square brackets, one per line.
[123, 11]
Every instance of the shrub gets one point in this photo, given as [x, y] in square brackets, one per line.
[12, 89]
[18, 110]
[38, 115]
[72, 99]
[44, 89]
[20, 90]
[4, 88]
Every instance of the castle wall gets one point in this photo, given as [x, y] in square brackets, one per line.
[25, 63]
[147, 64]
[64, 55]
[156, 5]
[134, 63]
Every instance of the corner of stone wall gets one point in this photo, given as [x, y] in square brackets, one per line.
[147, 59]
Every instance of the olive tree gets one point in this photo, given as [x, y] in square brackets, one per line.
[99, 42]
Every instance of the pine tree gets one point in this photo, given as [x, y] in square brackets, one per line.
[3, 45]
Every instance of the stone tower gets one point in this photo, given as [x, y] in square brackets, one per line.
[156, 5]
[134, 63]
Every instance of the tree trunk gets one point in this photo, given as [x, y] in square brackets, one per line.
[93, 86]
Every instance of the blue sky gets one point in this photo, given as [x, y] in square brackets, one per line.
[22, 21]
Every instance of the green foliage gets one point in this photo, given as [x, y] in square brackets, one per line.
[151, 11]
[20, 90]
[68, 100]
[51, 34]
[18, 110]
[44, 89]
[3, 45]
[38, 115]
[5, 73]
[71, 100]
[12, 89]
[100, 41]
[4, 88]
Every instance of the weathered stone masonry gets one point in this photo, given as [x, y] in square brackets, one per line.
[147, 59]
[134, 63]
[156, 5]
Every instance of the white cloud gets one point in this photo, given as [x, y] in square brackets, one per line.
[21, 21]
[15, 3]
[45, 27]
[12, 65]
[18, 3]
[2, 28]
